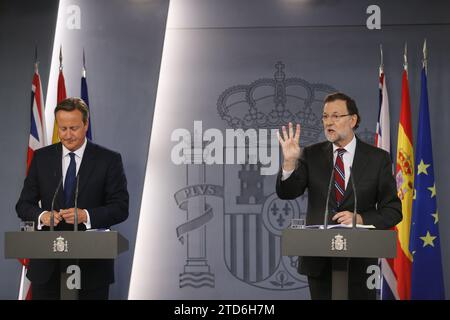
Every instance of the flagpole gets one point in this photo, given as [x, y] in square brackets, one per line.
[381, 60]
[425, 57]
[36, 58]
[84, 65]
[60, 58]
[405, 57]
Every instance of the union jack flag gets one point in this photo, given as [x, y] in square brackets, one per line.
[36, 140]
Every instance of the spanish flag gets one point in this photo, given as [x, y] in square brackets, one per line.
[405, 188]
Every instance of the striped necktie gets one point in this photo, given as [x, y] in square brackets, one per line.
[339, 176]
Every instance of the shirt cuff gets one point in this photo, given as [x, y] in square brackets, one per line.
[286, 174]
[88, 220]
[40, 224]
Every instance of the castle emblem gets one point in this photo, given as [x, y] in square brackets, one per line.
[404, 177]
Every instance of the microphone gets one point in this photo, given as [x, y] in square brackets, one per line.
[325, 221]
[75, 224]
[356, 200]
[52, 214]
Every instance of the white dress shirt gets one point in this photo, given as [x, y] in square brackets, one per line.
[347, 157]
[65, 165]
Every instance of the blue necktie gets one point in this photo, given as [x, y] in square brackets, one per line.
[69, 182]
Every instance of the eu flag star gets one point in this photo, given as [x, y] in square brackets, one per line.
[436, 217]
[428, 239]
[433, 190]
[422, 168]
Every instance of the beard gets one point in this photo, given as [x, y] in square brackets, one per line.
[335, 137]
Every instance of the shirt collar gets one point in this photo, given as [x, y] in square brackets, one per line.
[79, 152]
[350, 147]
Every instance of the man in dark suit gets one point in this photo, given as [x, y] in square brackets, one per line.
[312, 167]
[102, 199]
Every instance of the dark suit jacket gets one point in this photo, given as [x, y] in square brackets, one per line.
[102, 191]
[378, 203]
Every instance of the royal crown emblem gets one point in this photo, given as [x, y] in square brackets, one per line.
[339, 243]
[273, 102]
[60, 245]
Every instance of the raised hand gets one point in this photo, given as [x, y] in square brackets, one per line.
[290, 145]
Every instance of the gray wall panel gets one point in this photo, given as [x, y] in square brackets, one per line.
[212, 46]
[123, 42]
[22, 25]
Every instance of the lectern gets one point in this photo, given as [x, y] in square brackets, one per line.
[68, 246]
[339, 244]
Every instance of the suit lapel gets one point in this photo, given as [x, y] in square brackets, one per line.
[358, 167]
[87, 166]
[56, 162]
[328, 157]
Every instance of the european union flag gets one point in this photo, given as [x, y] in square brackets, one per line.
[85, 97]
[426, 279]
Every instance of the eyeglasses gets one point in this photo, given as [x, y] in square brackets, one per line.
[334, 117]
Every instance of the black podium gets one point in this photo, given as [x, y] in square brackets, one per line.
[339, 244]
[67, 246]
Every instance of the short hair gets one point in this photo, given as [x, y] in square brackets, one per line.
[71, 104]
[351, 104]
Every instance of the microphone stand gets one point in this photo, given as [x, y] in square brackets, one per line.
[356, 199]
[52, 214]
[75, 224]
[325, 221]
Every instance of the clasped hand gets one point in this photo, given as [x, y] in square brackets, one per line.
[68, 215]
